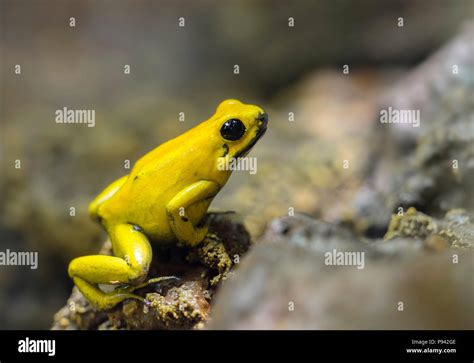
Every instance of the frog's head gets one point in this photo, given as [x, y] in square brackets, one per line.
[238, 127]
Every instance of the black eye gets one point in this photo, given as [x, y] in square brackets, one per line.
[232, 129]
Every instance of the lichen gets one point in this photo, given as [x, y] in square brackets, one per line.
[411, 224]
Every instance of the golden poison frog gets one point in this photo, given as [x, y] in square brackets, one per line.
[164, 199]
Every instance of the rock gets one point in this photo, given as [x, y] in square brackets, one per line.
[182, 307]
[430, 167]
[228, 241]
[454, 230]
[78, 314]
[173, 305]
[285, 283]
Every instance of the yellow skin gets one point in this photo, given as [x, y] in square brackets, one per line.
[164, 199]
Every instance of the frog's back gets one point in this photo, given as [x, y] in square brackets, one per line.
[154, 180]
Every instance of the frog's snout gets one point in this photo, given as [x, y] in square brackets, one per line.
[263, 117]
[262, 126]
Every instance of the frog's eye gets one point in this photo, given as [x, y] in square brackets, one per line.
[232, 129]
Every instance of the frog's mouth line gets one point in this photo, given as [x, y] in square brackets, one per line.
[261, 131]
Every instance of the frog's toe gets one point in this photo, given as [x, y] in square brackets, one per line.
[124, 289]
[166, 279]
[200, 234]
[159, 280]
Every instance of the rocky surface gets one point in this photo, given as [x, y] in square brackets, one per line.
[406, 282]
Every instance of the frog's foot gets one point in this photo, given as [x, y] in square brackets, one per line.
[104, 300]
[107, 300]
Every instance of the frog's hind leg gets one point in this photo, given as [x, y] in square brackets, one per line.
[133, 255]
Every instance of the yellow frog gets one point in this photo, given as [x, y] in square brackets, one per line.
[164, 199]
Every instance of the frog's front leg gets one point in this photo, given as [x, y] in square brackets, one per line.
[133, 255]
[182, 227]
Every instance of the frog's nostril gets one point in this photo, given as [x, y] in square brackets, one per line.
[264, 118]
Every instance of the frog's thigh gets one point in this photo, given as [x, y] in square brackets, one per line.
[182, 227]
[100, 269]
[130, 264]
[133, 246]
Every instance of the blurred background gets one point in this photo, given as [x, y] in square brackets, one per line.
[286, 70]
